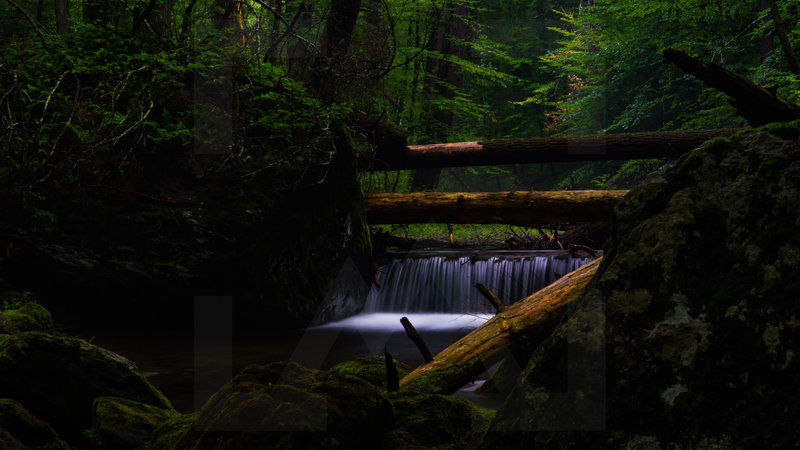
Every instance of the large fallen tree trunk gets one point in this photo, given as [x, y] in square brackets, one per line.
[390, 156]
[527, 322]
[755, 104]
[525, 208]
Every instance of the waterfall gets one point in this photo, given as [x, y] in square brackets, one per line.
[445, 282]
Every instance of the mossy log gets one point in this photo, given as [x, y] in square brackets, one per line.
[390, 154]
[525, 323]
[525, 208]
[755, 104]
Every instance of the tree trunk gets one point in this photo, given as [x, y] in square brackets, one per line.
[757, 105]
[62, 16]
[765, 45]
[442, 74]
[336, 42]
[524, 324]
[541, 150]
[524, 208]
[780, 28]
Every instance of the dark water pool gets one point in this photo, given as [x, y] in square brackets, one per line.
[188, 373]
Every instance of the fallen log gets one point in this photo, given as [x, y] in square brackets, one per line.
[598, 147]
[755, 104]
[525, 323]
[524, 208]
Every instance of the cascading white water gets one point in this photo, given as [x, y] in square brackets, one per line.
[445, 283]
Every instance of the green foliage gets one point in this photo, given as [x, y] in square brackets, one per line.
[610, 74]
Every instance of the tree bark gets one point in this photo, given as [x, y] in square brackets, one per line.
[765, 44]
[597, 147]
[416, 338]
[780, 28]
[62, 16]
[757, 105]
[524, 324]
[498, 304]
[338, 33]
[524, 208]
[443, 78]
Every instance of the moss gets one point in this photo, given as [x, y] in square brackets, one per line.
[125, 423]
[370, 368]
[31, 317]
[433, 420]
[27, 430]
[718, 146]
[172, 434]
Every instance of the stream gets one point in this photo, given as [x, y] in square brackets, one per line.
[435, 290]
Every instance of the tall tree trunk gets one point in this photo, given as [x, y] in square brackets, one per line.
[780, 28]
[441, 75]
[62, 16]
[336, 42]
[157, 17]
[765, 46]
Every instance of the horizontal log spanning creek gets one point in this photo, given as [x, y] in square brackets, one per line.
[524, 208]
[623, 146]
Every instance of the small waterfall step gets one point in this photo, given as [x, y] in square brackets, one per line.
[444, 281]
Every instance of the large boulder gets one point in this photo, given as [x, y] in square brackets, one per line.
[20, 429]
[687, 337]
[121, 423]
[371, 368]
[28, 317]
[58, 378]
[435, 421]
[283, 405]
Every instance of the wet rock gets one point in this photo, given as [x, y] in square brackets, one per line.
[20, 429]
[58, 379]
[686, 337]
[30, 317]
[120, 423]
[371, 369]
[283, 405]
[433, 420]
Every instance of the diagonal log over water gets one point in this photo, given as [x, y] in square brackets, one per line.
[527, 322]
[515, 207]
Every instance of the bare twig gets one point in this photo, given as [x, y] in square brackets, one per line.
[37, 27]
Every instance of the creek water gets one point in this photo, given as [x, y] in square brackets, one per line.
[435, 290]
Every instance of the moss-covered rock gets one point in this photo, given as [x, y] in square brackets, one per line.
[58, 379]
[687, 336]
[370, 368]
[6, 326]
[434, 420]
[120, 423]
[31, 317]
[283, 405]
[20, 429]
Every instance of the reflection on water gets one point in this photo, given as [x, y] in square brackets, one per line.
[169, 361]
